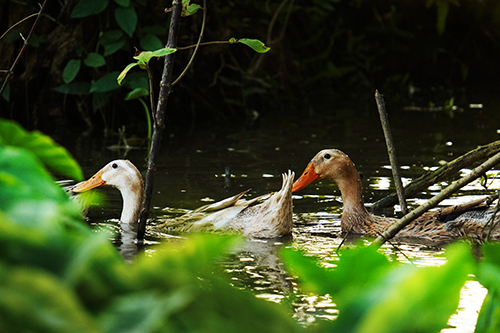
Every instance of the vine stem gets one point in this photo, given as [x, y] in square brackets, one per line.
[197, 44]
[25, 43]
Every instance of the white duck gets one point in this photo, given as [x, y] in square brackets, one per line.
[269, 219]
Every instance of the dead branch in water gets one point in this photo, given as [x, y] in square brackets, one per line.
[443, 172]
[391, 151]
[434, 201]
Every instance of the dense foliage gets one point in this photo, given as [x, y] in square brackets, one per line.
[321, 51]
[59, 276]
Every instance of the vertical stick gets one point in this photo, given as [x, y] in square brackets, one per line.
[159, 122]
[391, 151]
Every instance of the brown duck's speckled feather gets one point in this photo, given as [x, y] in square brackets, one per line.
[474, 219]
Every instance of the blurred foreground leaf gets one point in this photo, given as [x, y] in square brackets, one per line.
[50, 153]
[375, 295]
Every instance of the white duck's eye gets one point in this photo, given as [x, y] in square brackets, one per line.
[327, 156]
[114, 166]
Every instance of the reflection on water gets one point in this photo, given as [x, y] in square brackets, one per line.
[217, 166]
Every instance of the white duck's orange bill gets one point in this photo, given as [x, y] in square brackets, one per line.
[307, 177]
[93, 182]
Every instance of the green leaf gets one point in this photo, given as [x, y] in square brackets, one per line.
[99, 100]
[123, 3]
[48, 305]
[50, 153]
[86, 8]
[410, 290]
[255, 44]
[106, 83]
[94, 60]
[150, 42]
[112, 41]
[137, 79]
[146, 56]
[122, 75]
[6, 92]
[74, 88]
[142, 312]
[190, 10]
[126, 17]
[71, 70]
[136, 93]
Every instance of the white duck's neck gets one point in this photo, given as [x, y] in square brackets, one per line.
[132, 201]
[131, 187]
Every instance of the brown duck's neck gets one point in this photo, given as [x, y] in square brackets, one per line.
[355, 214]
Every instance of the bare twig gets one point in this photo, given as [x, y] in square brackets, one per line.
[452, 188]
[25, 43]
[391, 151]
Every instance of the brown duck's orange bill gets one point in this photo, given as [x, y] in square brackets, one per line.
[307, 177]
[93, 182]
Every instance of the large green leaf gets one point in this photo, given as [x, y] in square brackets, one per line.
[74, 88]
[71, 70]
[150, 42]
[374, 295]
[146, 311]
[112, 41]
[95, 60]
[106, 83]
[126, 17]
[488, 275]
[411, 290]
[123, 3]
[32, 300]
[86, 8]
[50, 153]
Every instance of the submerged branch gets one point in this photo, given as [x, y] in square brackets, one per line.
[441, 173]
[434, 201]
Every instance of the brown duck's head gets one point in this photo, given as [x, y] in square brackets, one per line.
[331, 164]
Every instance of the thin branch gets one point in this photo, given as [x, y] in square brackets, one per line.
[203, 44]
[12, 27]
[11, 70]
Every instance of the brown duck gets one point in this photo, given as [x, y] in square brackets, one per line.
[469, 220]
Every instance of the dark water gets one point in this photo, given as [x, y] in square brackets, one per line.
[192, 172]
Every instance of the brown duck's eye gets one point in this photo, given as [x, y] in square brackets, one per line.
[327, 156]
[114, 166]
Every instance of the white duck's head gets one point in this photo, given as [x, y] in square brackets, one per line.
[123, 175]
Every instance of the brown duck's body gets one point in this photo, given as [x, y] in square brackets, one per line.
[471, 220]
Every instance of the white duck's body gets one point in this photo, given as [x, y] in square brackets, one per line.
[269, 219]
